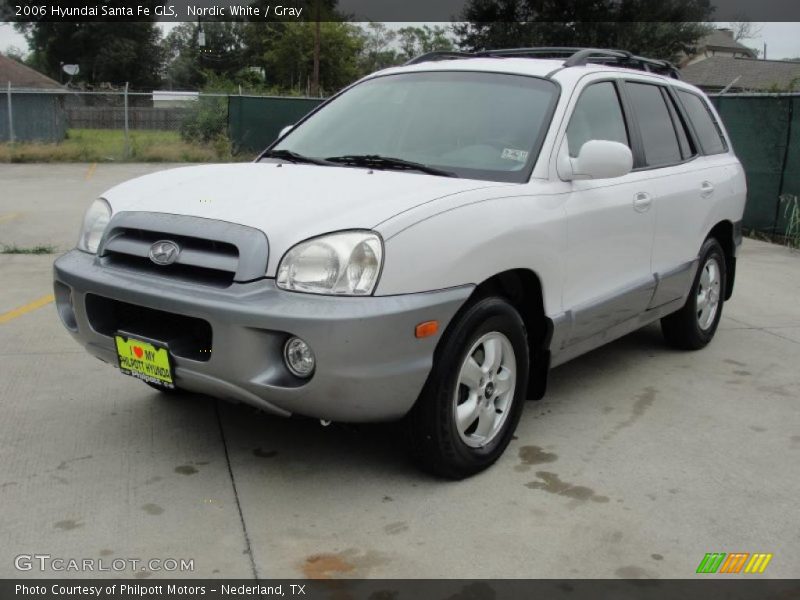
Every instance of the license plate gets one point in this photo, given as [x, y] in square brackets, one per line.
[144, 360]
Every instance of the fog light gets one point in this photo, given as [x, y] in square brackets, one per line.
[65, 306]
[298, 357]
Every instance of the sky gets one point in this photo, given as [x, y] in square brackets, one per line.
[782, 39]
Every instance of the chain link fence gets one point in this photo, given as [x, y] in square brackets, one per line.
[123, 125]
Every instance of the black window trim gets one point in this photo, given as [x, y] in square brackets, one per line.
[625, 113]
[680, 122]
[640, 162]
[637, 147]
[706, 104]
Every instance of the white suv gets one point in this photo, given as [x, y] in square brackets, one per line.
[425, 246]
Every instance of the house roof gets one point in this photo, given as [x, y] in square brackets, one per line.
[22, 76]
[722, 39]
[717, 72]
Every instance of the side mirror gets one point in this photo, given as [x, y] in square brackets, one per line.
[285, 130]
[597, 159]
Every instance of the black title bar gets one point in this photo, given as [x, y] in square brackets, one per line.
[393, 10]
[708, 587]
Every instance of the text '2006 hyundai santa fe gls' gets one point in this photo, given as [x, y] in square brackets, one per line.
[424, 246]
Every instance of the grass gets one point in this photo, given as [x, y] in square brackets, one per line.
[791, 234]
[108, 145]
[38, 249]
[792, 214]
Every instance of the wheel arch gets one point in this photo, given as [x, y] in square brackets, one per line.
[725, 233]
[522, 288]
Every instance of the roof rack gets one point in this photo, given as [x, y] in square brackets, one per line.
[573, 57]
[437, 55]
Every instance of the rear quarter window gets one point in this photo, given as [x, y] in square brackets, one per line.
[708, 131]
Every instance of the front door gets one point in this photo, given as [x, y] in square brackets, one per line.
[610, 225]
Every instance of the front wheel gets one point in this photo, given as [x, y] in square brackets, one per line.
[693, 326]
[472, 401]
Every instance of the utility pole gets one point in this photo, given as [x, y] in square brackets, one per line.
[127, 141]
[315, 74]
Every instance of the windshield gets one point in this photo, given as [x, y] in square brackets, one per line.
[474, 125]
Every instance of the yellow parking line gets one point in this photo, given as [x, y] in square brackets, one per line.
[22, 310]
[90, 171]
[8, 217]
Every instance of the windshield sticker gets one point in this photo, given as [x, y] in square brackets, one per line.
[514, 154]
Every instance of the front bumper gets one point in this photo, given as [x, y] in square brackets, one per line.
[370, 366]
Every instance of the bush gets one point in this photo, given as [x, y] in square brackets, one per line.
[223, 147]
[108, 145]
[206, 121]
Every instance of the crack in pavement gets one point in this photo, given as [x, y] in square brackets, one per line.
[764, 330]
[249, 548]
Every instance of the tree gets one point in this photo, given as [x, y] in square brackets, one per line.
[107, 53]
[285, 50]
[15, 53]
[745, 30]
[661, 29]
[419, 40]
[192, 66]
[377, 52]
[318, 12]
[383, 47]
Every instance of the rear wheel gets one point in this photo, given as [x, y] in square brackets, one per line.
[694, 326]
[472, 401]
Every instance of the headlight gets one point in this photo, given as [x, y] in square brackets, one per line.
[346, 263]
[95, 222]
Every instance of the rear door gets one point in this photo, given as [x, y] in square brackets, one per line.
[668, 158]
[685, 207]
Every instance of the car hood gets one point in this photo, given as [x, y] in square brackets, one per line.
[288, 202]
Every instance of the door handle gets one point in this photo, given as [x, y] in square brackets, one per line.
[706, 189]
[642, 202]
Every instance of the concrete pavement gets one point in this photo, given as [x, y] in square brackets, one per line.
[639, 461]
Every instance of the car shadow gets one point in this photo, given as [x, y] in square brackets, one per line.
[297, 445]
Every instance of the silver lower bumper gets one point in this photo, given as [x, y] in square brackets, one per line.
[370, 366]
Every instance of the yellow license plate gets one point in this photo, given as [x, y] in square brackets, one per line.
[144, 361]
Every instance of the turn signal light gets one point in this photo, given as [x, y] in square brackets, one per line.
[426, 329]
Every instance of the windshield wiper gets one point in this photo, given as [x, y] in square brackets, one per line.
[294, 157]
[377, 161]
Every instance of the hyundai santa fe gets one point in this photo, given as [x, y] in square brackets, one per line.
[424, 246]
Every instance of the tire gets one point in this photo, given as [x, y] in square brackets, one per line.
[694, 325]
[489, 405]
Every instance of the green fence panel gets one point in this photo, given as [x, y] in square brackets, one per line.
[791, 173]
[758, 127]
[254, 123]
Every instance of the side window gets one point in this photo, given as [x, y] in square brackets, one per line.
[708, 130]
[597, 116]
[659, 139]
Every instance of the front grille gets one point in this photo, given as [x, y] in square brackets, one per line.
[187, 337]
[203, 261]
[213, 252]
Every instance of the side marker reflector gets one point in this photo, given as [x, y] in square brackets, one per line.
[426, 329]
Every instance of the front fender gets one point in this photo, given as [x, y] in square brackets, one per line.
[470, 243]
